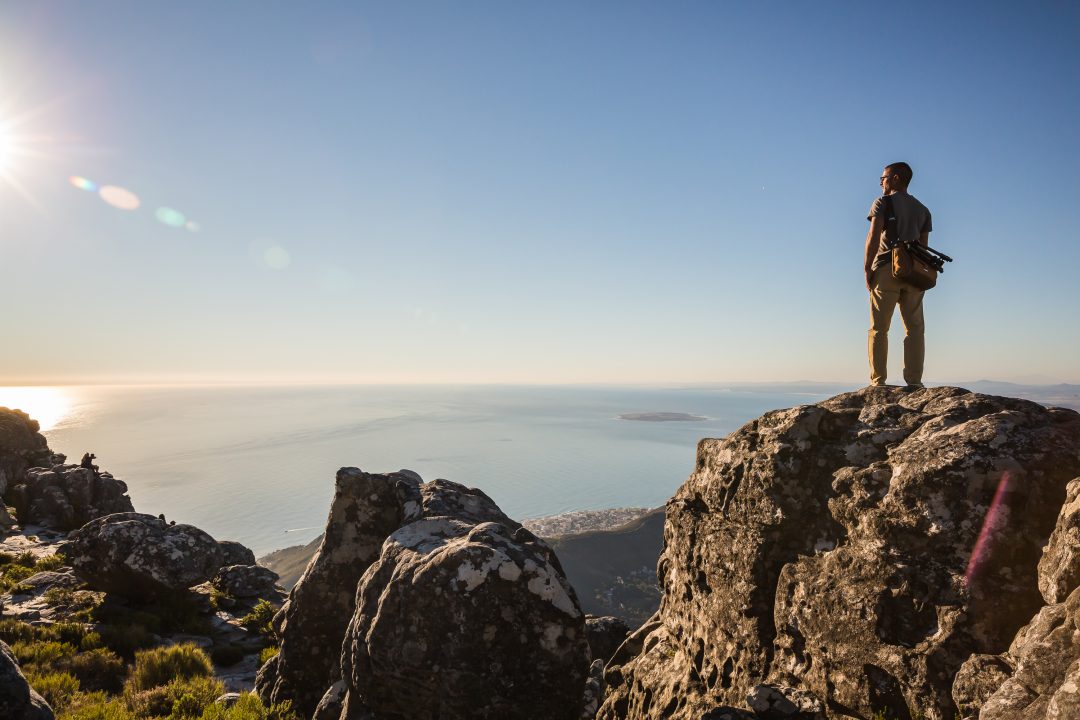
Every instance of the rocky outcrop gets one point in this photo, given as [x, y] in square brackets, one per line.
[21, 447]
[67, 496]
[858, 550]
[245, 581]
[1059, 569]
[605, 635]
[234, 553]
[141, 556]
[311, 624]
[435, 604]
[1039, 676]
[18, 701]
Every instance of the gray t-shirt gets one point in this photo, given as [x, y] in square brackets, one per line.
[912, 220]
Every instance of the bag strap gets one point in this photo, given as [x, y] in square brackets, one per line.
[890, 213]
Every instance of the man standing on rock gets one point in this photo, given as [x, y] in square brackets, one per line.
[886, 292]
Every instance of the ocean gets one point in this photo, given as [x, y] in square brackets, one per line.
[257, 464]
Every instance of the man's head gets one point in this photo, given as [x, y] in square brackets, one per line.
[895, 177]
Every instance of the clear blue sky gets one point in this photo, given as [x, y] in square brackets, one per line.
[529, 192]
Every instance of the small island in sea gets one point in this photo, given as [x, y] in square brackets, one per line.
[662, 417]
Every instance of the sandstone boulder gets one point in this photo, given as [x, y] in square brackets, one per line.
[245, 581]
[18, 701]
[858, 550]
[67, 496]
[139, 555]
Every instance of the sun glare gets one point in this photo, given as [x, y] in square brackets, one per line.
[48, 405]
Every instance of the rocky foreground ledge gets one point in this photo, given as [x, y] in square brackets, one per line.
[882, 554]
[877, 552]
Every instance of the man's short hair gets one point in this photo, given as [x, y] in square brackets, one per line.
[903, 170]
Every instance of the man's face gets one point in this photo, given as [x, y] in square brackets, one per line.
[888, 181]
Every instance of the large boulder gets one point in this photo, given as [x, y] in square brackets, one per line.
[245, 581]
[21, 446]
[67, 496]
[311, 624]
[426, 601]
[141, 556]
[234, 553]
[18, 701]
[1046, 682]
[485, 604]
[1059, 568]
[1039, 676]
[857, 551]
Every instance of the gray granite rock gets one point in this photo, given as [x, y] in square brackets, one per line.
[425, 601]
[245, 581]
[979, 677]
[67, 496]
[18, 701]
[1059, 568]
[233, 553]
[141, 556]
[605, 635]
[1046, 655]
[831, 548]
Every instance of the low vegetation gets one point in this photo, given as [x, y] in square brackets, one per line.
[103, 661]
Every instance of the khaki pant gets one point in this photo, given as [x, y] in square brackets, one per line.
[886, 292]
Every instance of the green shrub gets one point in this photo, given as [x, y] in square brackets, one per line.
[68, 632]
[43, 653]
[98, 669]
[58, 689]
[50, 562]
[259, 618]
[26, 559]
[226, 655]
[160, 701]
[126, 640]
[250, 707]
[13, 575]
[158, 666]
[91, 641]
[13, 631]
[186, 706]
[97, 706]
[6, 558]
[267, 653]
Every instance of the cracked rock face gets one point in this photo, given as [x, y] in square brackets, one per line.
[426, 601]
[140, 556]
[21, 446]
[1059, 569]
[835, 549]
[484, 603]
[18, 701]
[245, 581]
[67, 496]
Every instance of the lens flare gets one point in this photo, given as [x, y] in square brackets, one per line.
[82, 183]
[277, 258]
[997, 518]
[119, 197]
[192, 226]
[170, 217]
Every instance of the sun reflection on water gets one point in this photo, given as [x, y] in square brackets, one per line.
[50, 406]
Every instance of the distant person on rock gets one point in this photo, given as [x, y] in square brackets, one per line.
[88, 463]
[886, 292]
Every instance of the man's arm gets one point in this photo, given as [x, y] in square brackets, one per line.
[873, 238]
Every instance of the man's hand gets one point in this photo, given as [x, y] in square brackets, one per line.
[869, 280]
